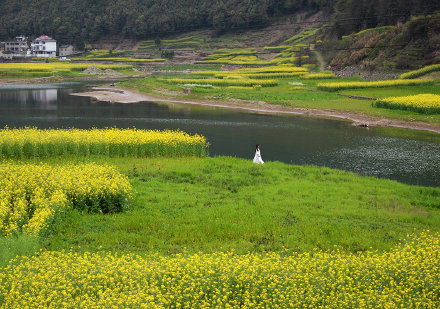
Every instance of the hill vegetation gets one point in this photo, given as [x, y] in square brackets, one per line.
[90, 20]
[402, 47]
[80, 20]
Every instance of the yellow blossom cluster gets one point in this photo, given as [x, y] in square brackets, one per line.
[406, 277]
[15, 69]
[33, 142]
[421, 103]
[119, 59]
[33, 196]
[335, 86]
[318, 76]
[242, 82]
[421, 72]
[263, 72]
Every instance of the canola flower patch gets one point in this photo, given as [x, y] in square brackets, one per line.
[279, 69]
[243, 76]
[335, 86]
[243, 82]
[118, 59]
[234, 60]
[405, 277]
[275, 75]
[421, 103]
[32, 196]
[370, 30]
[318, 76]
[33, 142]
[421, 72]
[52, 68]
[272, 69]
[276, 49]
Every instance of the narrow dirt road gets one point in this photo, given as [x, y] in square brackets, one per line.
[319, 58]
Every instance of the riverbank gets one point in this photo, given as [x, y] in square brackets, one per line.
[129, 95]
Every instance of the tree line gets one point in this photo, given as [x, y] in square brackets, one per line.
[351, 16]
[76, 21]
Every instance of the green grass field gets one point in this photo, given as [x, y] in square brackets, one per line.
[204, 231]
[222, 204]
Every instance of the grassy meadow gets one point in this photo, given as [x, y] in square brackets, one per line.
[223, 231]
[184, 230]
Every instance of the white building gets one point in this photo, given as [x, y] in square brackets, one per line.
[44, 46]
[17, 48]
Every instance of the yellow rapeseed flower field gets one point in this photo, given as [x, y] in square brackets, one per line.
[335, 86]
[421, 103]
[54, 67]
[420, 72]
[33, 195]
[119, 59]
[33, 142]
[318, 76]
[406, 277]
[243, 82]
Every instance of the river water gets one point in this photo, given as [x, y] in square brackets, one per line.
[401, 155]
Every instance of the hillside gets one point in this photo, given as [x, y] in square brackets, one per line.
[359, 35]
[80, 20]
[402, 47]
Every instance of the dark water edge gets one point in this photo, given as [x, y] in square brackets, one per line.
[403, 155]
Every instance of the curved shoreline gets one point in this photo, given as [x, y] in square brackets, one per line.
[128, 95]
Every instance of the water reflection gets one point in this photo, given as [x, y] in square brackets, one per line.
[299, 140]
[45, 99]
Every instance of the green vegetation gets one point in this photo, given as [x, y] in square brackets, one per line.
[295, 91]
[33, 142]
[421, 72]
[184, 43]
[303, 35]
[335, 86]
[244, 82]
[276, 49]
[22, 245]
[66, 19]
[233, 57]
[375, 30]
[223, 231]
[65, 69]
[407, 275]
[219, 204]
[198, 67]
[118, 59]
[422, 103]
[410, 46]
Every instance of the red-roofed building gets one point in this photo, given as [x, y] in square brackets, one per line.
[44, 46]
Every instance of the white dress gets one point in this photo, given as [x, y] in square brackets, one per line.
[257, 158]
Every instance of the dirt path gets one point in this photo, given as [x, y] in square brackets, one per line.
[127, 95]
[319, 58]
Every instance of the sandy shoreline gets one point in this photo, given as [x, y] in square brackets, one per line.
[127, 95]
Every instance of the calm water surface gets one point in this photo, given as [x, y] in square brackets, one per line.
[379, 152]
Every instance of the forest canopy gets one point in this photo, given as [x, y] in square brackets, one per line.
[77, 20]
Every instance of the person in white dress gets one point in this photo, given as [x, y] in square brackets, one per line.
[257, 158]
